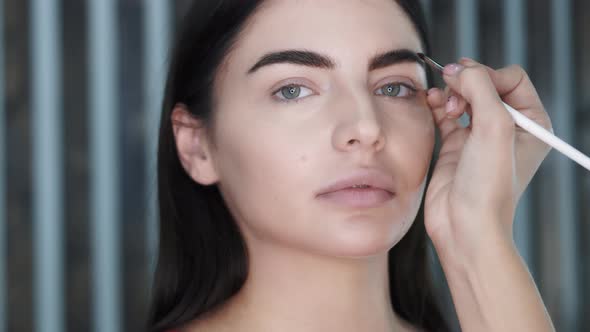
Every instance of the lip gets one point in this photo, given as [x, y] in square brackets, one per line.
[370, 177]
[357, 198]
[382, 189]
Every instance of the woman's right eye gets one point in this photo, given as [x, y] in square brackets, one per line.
[291, 93]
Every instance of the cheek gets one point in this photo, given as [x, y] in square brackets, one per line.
[261, 179]
[411, 140]
[417, 156]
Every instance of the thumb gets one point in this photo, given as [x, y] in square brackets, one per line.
[474, 84]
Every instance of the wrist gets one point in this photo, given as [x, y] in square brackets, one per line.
[491, 287]
[468, 252]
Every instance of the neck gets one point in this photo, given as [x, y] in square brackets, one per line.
[289, 290]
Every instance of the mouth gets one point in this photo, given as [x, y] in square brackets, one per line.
[361, 189]
[358, 197]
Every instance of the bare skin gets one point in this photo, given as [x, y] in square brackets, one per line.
[317, 267]
[481, 173]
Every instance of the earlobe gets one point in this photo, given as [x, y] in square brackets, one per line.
[192, 146]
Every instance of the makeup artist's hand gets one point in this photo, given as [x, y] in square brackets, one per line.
[483, 169]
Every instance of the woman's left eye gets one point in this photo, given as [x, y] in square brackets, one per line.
[396, 90]
[291, 93]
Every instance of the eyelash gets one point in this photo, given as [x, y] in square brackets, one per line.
[412, 89]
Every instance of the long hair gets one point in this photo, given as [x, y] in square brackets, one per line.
[202, 259]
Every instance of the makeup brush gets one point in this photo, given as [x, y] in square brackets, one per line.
[532, 127]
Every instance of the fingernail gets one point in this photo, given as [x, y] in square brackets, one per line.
[453, 69]
[431, 90]
[452, 104]
[466, 59]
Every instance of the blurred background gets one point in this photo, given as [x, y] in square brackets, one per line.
[80, 89]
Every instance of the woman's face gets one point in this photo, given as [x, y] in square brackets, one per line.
[276, 148]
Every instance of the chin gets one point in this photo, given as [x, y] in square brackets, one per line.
[366, 239]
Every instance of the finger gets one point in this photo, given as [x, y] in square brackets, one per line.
[455, 106]
[474, 84]
[461, 108]
[437, 101]
[516, 89]
[465, 61]
[510, 82]
[464, 106]
[441, 98]
[435, 98]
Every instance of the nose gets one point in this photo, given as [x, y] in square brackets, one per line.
[360, 127]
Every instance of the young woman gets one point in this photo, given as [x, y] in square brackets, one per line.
[298, 181]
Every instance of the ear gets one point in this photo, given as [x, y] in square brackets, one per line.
[193, 146]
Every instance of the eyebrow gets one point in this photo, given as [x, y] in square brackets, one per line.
[317, 60]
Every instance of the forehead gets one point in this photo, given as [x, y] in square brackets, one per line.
[347, 30]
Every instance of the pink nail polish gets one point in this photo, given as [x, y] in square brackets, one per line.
[452, 104]
[453, 69]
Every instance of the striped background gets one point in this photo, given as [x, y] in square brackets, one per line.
[80, 87]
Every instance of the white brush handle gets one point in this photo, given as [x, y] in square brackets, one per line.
[547, 137]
